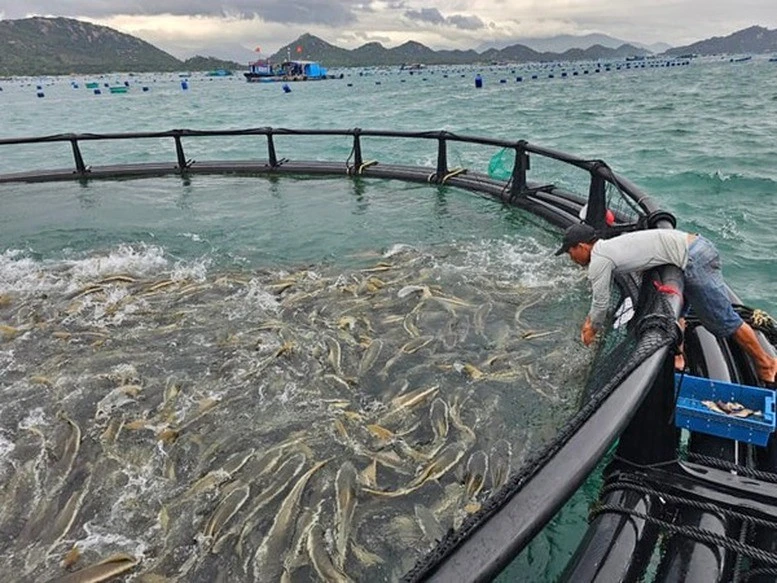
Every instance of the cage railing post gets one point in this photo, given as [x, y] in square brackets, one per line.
[271, 156]
[80, 166]
[179, 153]
[595, 215]
[357, 150]
[520, 168]
[442, 158]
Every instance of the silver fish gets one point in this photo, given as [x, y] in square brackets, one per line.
[102, 571]
[475, 475]
[370, 356]
[345, 491]
[501, 458]
[428, 523]
[268, 557]
[322, 563]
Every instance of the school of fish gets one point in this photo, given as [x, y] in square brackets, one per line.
[308, 423]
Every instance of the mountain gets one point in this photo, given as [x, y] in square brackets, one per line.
[59, 46]
[564, 42]
[309, 47]
[755, 39]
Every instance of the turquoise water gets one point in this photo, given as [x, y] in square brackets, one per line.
[698, 139]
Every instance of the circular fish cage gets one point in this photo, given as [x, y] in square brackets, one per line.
[629, 394]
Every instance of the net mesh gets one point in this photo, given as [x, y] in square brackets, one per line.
[641, 322]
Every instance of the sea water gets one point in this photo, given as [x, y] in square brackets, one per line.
[698, 138]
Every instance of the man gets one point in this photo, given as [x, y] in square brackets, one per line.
[641, 250]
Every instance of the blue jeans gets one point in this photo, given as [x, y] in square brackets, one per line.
[706, 290]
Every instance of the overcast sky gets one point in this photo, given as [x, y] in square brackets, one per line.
[181, 27]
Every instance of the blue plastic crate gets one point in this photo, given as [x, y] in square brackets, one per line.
[694, 416]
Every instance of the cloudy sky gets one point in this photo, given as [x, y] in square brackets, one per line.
[183, 27]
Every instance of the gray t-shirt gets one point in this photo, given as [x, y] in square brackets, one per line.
[631, 252]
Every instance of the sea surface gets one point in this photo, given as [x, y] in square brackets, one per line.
[221, 376]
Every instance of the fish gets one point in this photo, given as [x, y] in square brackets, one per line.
[713, 406]
[428, 523]
[102, 571]
[448, 457]
[266, 563]
[325, 568]
[234, 498]
[346, 485]
[480, 316]
[422, 290]
[370, 356]
[475, 474]
[501, 457]
[438, 416]
[287, 471]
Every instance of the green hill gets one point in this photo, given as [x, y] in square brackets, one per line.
[59, 46]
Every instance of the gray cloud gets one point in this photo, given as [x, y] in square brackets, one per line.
[430, 15]
[466, 22]
[325, 12]
[434, 16]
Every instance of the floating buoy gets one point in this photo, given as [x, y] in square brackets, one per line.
[286, 88]
[478, 81]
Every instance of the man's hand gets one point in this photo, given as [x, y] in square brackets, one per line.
[588, 333]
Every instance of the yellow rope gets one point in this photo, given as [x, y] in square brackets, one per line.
[367, 164]
[452, 173]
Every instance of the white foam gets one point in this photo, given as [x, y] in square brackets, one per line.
[524, 261]
[35, 418]
[6, 448]
[137, 260]
[102, 541]
[252, 297]
[196, 270]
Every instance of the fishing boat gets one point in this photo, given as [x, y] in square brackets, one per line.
[686, 495]
[263, 71]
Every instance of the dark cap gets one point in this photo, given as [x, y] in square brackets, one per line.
[577, 233]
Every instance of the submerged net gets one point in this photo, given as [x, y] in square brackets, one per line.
[641, 322]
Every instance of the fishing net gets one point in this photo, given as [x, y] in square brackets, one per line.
[641, 322]
[500, 167]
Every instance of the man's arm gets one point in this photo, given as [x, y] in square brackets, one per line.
[600, 275]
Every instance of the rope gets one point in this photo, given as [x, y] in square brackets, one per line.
[706, 506]
[751, 574]
[367, 164]
[760, 320]
[725, 465]
[692, 532]
[452, 173]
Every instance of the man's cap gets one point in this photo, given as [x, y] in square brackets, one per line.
[577, 233]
